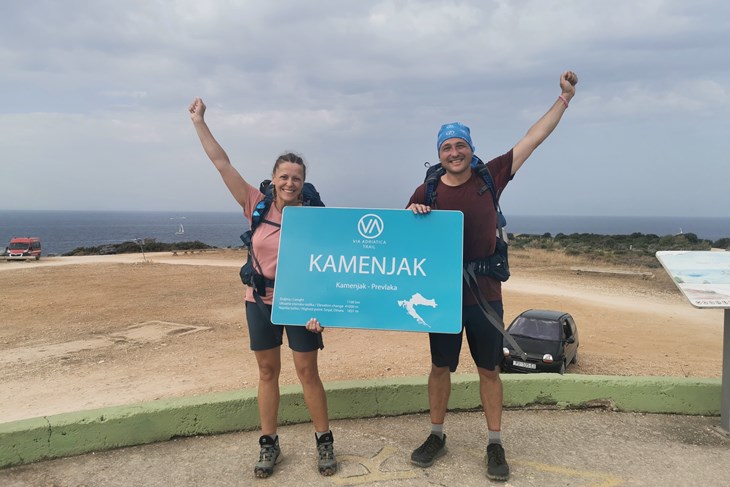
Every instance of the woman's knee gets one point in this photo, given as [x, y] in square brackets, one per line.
[306, 367]
[269, 364]
[269, 372]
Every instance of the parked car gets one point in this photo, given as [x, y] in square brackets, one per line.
[23, 248]
[549, 338]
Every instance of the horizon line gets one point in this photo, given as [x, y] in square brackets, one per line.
[179, 212]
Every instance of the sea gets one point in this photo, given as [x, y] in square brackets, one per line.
[63, 231]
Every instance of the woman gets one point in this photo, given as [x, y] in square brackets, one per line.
[287, 180]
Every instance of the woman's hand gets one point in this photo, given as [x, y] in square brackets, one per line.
[314, 326]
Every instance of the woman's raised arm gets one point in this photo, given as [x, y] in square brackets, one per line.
[231, 177]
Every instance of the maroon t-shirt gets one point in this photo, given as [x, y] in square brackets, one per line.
[480, 217]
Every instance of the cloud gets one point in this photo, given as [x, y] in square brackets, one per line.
[359, 87]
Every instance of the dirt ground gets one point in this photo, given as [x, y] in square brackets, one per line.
[86, 332]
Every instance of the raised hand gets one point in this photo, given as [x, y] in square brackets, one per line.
[568, 80]
[197, 109]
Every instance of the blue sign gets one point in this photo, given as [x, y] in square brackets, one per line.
[366, 268]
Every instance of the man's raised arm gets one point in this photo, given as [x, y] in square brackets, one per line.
[547, 123]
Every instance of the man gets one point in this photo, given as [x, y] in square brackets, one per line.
[459, 189]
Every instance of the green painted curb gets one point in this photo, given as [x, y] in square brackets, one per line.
[630, 394]
[62, 435]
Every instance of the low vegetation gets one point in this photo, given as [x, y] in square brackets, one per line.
[147, 245]
[636, 249]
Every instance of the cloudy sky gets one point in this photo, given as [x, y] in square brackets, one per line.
[95, 103]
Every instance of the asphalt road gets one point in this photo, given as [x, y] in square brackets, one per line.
[544, 447]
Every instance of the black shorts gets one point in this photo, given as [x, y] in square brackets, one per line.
[264, 335]
[485, 341]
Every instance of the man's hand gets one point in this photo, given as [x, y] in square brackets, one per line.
[419, 209]
[197, 110]
[568, 80]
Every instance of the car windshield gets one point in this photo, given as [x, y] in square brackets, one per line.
[18, 246]
[534, 328]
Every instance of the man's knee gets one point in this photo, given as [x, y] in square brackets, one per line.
[489, 375]
[440, 372]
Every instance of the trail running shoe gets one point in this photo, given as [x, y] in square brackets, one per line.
[497, 468]
[270, 455]
[433, 448]
[327, 462]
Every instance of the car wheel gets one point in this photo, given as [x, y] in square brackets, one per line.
[575, 358]
[562, 368]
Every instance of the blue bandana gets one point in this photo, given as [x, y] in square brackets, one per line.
[455, 130]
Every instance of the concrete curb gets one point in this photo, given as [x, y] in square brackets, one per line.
[62, 435]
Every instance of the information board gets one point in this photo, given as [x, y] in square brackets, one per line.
[704, 279]
[702, 276]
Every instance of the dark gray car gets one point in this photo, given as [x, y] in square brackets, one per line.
[549, 338]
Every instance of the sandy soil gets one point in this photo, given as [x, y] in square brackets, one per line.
[86, 332]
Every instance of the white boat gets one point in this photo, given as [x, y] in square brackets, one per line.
[181, 230]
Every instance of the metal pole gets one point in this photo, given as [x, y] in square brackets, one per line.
[141, 246]
[725, 402]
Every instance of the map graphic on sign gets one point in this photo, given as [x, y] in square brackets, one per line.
[702, 276]
[370, 268]
[417, 300]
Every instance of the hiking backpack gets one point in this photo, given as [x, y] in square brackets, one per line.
[251, 270]
[433, 176]
[497, 264]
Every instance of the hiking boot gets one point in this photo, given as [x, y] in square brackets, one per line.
[433, 448]
[497, 468]
[270, 455]
[327, 462]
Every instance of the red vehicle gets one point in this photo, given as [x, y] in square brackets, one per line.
[22, 248]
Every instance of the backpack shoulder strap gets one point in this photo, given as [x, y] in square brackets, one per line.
[260, 211]
[433, 176]
[483, 172]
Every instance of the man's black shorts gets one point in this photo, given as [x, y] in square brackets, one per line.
[485, 341]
